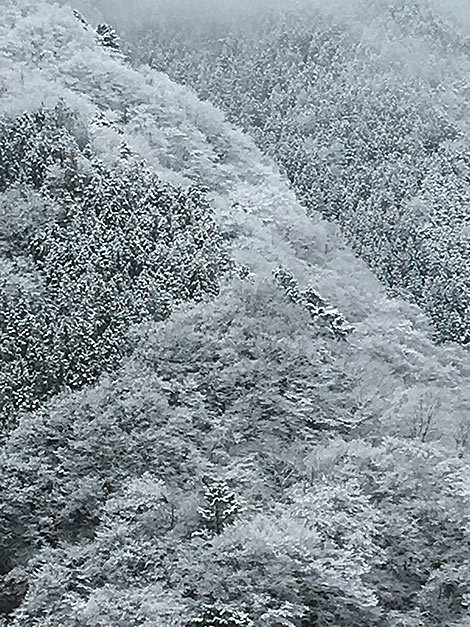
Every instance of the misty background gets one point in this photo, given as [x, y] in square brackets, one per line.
[123, 14]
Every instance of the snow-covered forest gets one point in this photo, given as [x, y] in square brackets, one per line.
[235, 313]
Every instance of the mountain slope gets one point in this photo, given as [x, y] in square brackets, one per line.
[364, 107]
[242, 464]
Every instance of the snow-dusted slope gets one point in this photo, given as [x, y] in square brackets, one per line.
[364, 107]
[108, 490]
[48, 54]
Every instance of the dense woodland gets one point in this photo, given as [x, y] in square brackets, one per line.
[235, 315]
[367, 116]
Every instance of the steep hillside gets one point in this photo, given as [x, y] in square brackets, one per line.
[241, 424]
[364, 106]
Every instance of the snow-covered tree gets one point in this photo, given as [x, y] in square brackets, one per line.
[108, 36]
[362, 134]
[319, 310]
[221, 507]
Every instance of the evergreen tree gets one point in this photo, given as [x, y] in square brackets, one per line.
[381, 157]
[318, 308]
[221, 507]
[117, 247]
[78, 16]
[108, 37]
[219, 615]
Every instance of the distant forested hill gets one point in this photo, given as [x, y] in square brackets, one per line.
[212, 411]
[364, 106]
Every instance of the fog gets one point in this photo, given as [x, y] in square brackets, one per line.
[128, 15]
[459, 10]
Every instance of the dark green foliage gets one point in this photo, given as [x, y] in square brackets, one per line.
[122, 247]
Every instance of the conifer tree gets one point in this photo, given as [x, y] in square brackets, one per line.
[108, 37]
[219, 615]
[221, 507]
[80, 18]
[319, 309]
